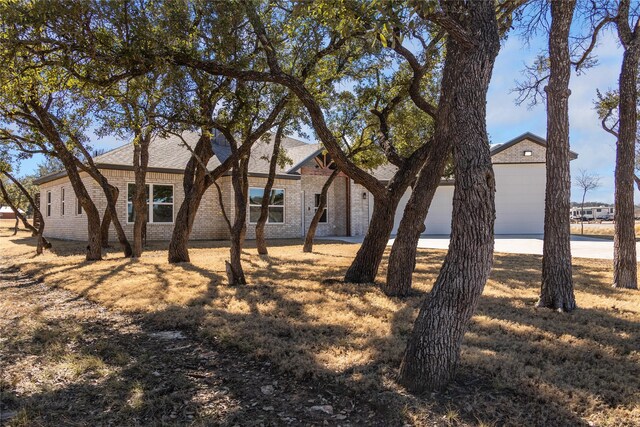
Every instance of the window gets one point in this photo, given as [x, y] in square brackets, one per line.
[62, 202]
[323, 218]
[276, 206]
[160, 205]
[48, 203]
[78, 207]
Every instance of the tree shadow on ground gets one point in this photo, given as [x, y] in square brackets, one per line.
[519, 366]
[95, 368]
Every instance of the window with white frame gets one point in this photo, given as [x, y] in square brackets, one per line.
[48, 203]
[276, 205]
[323, 218]
[62, 202]
[159, 201]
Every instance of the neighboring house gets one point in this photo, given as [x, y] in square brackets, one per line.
[7, 213]
[519, 168]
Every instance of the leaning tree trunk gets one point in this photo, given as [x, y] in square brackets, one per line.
[111, 217]
[434, 346]
[624, 243]
[140, 207]
[311, 232]
[37, 215]
[261, 242]
[104, 228]
[364, 267]
[21, 217]
[195, 184]
[402, 259]
[94, 246]
[235, 272]
[557, 282]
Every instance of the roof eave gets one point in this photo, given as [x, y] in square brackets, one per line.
[305, 160]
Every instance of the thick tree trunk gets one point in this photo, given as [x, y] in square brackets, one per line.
[624, 243]
[195, 184]
[365, 266]
[557, 282]
[111, 195]
[94, 246]
[140, 206]
[235, 272]
[402, 259]
[434, 346]
[311, 232]
[111, 217]
[261, 242]
[48, 127]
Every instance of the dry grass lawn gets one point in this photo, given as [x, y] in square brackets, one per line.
[519, 365]
[604, 229]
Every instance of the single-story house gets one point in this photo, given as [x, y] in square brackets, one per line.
[519, 168]
[7, 213]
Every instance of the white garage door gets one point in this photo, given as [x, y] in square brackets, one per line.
[519, 202]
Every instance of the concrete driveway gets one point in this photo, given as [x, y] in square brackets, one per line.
[581, 247]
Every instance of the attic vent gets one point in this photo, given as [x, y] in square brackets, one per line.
[528, 153]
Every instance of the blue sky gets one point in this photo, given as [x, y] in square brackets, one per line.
[595, 147]
[506, 120]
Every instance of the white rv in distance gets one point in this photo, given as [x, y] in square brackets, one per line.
[593, 213]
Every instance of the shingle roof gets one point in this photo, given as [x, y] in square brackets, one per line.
[170, 153]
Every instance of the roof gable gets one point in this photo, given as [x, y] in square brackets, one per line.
[525, 137]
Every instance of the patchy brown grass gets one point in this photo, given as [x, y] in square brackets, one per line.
[599, 230]
[519, 365]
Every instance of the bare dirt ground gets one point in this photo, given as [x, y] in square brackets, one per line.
[67, 361]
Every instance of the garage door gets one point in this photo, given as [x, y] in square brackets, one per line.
[519, 202]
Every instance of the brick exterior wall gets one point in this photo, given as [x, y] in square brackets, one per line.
[360, 198]
[515, 153]
[292, 226]
[69, 226]
[209, 222]
[336, 224]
